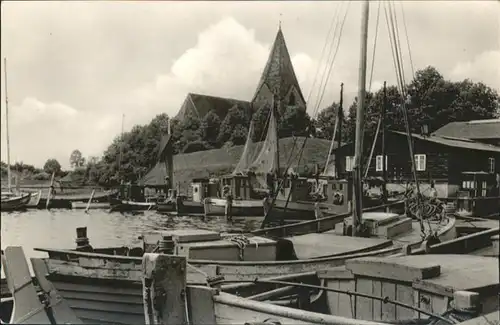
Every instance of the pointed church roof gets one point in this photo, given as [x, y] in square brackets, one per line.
[278, 73]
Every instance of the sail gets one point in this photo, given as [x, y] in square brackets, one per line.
[267, 159]
[246, 157]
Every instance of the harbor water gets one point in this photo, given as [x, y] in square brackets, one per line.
[57, 228]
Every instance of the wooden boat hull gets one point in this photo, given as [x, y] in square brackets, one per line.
[187, 207]
[124, 205]
[190, 207]
[108, 288]
[65, 202]
[15, 203]
[240, 208]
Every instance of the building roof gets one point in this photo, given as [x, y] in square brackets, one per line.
[457, 143]
[202, 104]
[478, 129]
[278, 73]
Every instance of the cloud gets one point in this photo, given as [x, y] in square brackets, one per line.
[39, 131]
[484, 68]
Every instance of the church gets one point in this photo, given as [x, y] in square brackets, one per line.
[278, 79]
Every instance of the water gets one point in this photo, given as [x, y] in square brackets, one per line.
[57, 228]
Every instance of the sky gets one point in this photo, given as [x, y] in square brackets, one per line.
[75, 67]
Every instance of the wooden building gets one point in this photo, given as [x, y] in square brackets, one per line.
[441, 160]
[485, 131]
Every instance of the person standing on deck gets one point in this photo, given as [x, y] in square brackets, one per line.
[270, 183]
[432, 192]
[229, 206]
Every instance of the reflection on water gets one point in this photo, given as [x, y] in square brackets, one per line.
[56, 228]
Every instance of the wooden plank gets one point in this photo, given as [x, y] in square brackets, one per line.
[364, 306]
[333, 297]
[61, 311]
[347, 303]
[404, 294]
[164, 289]
[377, 304]
[201, 299]
[401, 268]
[28, 308]
[388, 310]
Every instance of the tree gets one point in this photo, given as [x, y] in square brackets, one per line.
[239, 135]
[76, 159]
[195, 146]
[294, 122]
[209, 127]
[52, 166]
[235, 116]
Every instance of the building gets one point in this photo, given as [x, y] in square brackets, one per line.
[442, 160]
[486, 131]
[278, 79]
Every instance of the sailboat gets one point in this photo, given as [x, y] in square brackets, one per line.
[11, 200]
[246, 184]
[133, 197]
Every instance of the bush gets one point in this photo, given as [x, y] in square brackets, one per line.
[43, 176]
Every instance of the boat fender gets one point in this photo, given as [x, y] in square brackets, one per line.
[338, 198]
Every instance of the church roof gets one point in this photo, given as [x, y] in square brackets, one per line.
[200, 105]
[278, 73]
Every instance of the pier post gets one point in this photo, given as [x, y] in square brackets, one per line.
[164, 289]
[82, 241]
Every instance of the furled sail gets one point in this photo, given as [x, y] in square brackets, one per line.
[246, 157]
[267, 160]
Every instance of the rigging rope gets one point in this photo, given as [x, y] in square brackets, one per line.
[374, 48]
[280, 186]
[407, 40]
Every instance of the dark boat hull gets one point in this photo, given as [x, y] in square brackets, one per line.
[15, 203]
[186, 207]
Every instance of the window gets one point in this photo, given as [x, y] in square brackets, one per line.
[349, 163]
[378, 163]
[420, 162]
[291, 100]
[484, 188]
[491, 165]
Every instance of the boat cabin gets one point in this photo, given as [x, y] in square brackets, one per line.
[132, 192]
[200, 189]
[323, 189]
[478, 194]
[239, 186]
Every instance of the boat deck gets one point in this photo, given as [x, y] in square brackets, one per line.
[460, 272]
[328, 243]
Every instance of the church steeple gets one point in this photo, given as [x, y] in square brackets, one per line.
[278, 77]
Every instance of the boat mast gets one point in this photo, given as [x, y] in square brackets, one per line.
[358, 150]
[9, 182]
[277, 151]
[340, 116]
[384, 156]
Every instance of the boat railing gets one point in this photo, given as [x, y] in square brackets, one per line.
[282, 230]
